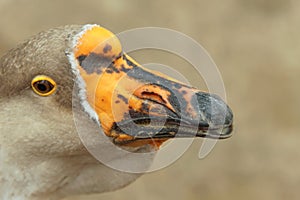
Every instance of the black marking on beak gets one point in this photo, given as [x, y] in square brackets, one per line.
[213, 117]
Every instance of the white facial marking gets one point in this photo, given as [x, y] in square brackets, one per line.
[79, 80]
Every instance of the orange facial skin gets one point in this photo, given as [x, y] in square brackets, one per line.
[121, 91]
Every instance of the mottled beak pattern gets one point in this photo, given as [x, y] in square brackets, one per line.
[137, 106]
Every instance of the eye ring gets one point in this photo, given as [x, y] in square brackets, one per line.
[43, 85]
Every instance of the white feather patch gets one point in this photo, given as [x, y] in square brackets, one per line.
[79, 80]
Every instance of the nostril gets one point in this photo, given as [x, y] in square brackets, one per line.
[157, 94]
[153, 96]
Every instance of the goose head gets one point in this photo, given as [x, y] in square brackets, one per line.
[82, 71]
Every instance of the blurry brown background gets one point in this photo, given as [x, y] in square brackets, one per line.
[256, 46]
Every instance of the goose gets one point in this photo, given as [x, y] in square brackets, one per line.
[82, 71]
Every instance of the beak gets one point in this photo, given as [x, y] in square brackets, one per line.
[136, 105]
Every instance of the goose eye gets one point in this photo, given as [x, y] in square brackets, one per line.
[43, 85]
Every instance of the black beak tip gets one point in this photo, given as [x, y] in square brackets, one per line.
[217, 114]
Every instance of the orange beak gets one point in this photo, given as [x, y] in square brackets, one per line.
[138, 106]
